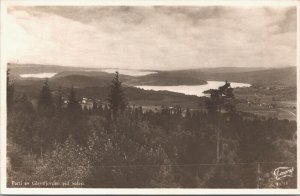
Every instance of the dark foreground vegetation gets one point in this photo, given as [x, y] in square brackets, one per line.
[127, 147]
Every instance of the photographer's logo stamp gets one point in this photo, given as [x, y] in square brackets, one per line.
[283, 172]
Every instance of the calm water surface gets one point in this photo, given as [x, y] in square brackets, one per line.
[38, 75]
[193, 89]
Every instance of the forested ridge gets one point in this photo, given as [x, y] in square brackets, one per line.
[122, 146]
[285, 76]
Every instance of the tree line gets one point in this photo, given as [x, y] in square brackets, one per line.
[126, 147]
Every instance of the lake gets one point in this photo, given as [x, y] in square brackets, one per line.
[193, 89]
[38, 75]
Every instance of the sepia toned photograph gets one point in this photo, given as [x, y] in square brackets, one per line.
[151, 96]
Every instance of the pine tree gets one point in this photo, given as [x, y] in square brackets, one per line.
[188, 114]
[75, 118]
[59, 100]
[73, 102]
[220, 98]
[21, 122]
[213, 104]
[45, 103]
[10, 92]
[116, 98]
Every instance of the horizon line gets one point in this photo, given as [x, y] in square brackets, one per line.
[73, 66]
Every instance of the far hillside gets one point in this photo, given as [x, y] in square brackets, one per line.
[281, 76]
[273, 91]
[285, 76]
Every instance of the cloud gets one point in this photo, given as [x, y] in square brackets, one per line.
[153, 37]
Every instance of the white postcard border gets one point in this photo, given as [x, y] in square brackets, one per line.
[116, 191]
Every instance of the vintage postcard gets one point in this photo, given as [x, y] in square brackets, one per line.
[149, 97]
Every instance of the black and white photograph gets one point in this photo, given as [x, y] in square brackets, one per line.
[150, 96]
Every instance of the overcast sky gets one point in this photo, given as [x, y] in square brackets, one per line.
[153, 37]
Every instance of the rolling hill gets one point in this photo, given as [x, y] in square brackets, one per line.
[95, 84]
[83, 77]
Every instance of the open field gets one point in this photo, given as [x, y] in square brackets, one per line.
[275, 102]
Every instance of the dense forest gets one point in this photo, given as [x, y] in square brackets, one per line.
[118, 145]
